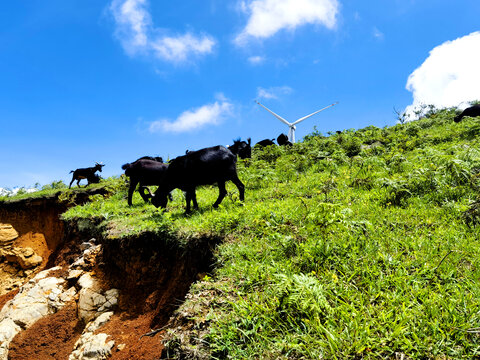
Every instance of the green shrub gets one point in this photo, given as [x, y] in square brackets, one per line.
[352, 146]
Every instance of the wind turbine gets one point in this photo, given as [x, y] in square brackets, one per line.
[291, 126]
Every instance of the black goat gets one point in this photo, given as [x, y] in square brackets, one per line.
[242, 148]
[471, 111]
[265, 142]
[154, 158]
[203, 167]
[282, 140]
[86, 173]
[93, 179]
[144, 171]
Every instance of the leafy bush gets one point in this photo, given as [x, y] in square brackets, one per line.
[352, 146]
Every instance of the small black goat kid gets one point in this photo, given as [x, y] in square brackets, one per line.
[144, 171]
[282, 140]
[203, 167]
[471, 111]
[86, 173]
[265, 142]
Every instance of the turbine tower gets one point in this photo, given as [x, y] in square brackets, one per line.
[291, 126]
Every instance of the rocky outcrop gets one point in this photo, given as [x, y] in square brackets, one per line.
[7, 235]
[24, 257]
[41, 296]
[16, 262]
[92, 301]
[46, 294]
[91, 345]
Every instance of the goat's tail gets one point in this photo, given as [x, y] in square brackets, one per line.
[127, 167]
[71, 171]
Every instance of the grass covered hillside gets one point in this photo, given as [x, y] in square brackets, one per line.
[363, 244]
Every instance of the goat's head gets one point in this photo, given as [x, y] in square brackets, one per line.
[99, 166]
[160, 199]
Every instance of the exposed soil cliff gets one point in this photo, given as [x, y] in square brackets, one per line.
[152, 274]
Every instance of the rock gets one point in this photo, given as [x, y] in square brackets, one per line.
[74, 274]
[92, 347]
[86, 281]
[37, 298]
[80, 262]
[98, 348]
[87, 244]
[25, 257]
[68, 295]
[99, 322]
[8, 330]
[93, 301]
[7, 234]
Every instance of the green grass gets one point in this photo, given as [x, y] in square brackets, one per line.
[357, 245]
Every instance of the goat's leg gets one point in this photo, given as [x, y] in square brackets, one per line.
[188, 198]
[144, 196]
[221, 193]
[131, 189]
[73, 179]
[240, 187]
[194, 199]
[150, 194]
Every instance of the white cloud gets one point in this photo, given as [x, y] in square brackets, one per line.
[267, 17]
[210, 114]
[177, 49]
[377, 34]
[137, 34]
[449, 76]
[256, 60]
[133, 22]
[273, 92]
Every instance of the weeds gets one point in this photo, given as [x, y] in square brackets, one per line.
[339, 251]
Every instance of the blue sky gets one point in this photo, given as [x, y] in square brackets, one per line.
[92, 80]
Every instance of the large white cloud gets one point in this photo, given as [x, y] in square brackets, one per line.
[137, 34]
[449, 76]
[267, 17]
[190, 120]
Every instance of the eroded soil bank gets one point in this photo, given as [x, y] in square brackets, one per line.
[37, 222]
[152, 273]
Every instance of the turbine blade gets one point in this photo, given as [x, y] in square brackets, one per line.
[277, 116]
[316, 112]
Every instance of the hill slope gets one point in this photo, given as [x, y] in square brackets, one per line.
[357, 245]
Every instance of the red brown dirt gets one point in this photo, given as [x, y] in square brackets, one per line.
[38, 216]
[141, 310]
[50, 338]
[126, 331]
[7, 297]
[37, 242]
[135, 317]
